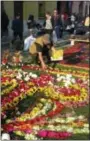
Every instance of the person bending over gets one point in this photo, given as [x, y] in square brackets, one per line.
[41, 48]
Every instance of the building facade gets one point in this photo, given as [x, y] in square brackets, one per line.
[25, 8]
[38, 8]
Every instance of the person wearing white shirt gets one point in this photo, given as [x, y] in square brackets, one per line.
[29, 41]
[48, 24]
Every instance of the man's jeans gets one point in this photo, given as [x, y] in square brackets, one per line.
[58, 32]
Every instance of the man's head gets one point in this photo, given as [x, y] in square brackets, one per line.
[18, 16]
[55, 13]
[46, 39]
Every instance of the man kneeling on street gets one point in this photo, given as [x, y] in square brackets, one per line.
[41, 48]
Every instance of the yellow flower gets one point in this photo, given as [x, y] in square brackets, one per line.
[80, 99]
[19, 133]
[30, 83]
[43, 100]
[40, 89]
[83, 90]
[84, 94]
[39, 105]
[55, 96]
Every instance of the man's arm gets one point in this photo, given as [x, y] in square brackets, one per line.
[40, 57]
[41, 60]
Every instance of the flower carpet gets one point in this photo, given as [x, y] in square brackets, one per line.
[49, 104]
[77, 55]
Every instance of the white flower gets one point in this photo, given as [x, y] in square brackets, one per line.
[19, 76]
[30, 137]
[62, 77]
[34, 75]
[84, 130]
[70, 130]
[7, 67]
[66, 85]
[19, 70]
[30, 74]
[58, 128]
[64, 127]
[76, 131]
[73, 80]
[62, 121]
[58, 75]
[69, 75]
[69, 119]
[43, 112]
[57, 120]
[58, 79]
[24, 73]
[26, 78]
[86, 125]
[81, 117]
[50, 126]
[36, 127]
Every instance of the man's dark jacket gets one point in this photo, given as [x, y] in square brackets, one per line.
[17, 25]
[56, 22]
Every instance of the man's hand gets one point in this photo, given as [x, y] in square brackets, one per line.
[43, 66]
[53, 49]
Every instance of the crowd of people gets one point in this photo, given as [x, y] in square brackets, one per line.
[71, 23]
[40, 43]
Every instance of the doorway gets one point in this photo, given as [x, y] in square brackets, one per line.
[64, 6]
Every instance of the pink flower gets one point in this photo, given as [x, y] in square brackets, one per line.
[28, 131]
[51, 134]
[42, 133]
[54, 134]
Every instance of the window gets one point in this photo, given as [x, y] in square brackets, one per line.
[41, 9]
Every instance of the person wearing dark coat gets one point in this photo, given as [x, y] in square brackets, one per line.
[17, 28]
[31, 22]
[57, 24]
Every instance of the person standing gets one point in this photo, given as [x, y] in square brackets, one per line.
[57, 24]
[17, 28]
[31, 22]
[48, 24]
